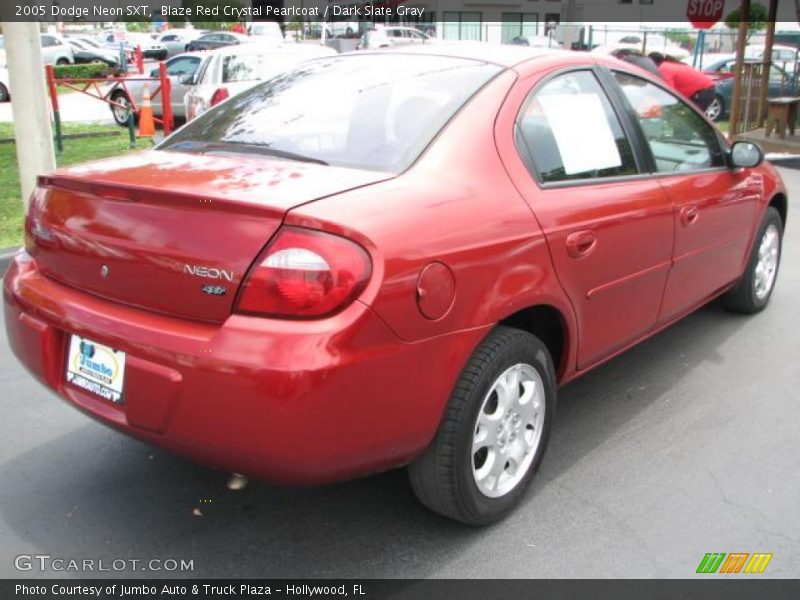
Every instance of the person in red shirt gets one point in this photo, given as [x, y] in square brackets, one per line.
[692, 83]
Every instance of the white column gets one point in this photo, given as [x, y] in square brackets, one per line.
[29, 104]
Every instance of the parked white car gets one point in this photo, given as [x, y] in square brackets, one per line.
[374, 39]
[55, 50]
[150, 47]
[406, 36]
[5, 86]
[653, 42]
[266, 31]
[230, 70]
[783, 56]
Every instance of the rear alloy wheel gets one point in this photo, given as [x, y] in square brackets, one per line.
[716, 109]
[4, 95]
[62, 61]
[494, 431]
[754, 289]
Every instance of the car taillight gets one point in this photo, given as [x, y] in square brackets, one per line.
[305, 273]
[219, 95]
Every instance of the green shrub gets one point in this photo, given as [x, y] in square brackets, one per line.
[87, 71]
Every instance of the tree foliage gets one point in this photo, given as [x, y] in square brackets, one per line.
[757, 19]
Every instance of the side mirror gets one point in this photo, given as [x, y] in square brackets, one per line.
[187, 79]
[746, 155]
[155, 73]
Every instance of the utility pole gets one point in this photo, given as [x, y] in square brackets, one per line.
[32, 131]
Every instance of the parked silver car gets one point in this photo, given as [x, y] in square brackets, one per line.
[179, 68]
[176, 41]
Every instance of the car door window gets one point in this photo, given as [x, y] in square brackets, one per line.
[678, 137]
[567, 129]
[169, 38]
[185, 65]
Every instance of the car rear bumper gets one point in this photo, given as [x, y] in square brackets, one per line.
[299, 402]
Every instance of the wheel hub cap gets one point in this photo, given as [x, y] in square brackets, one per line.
[767, 265]
[508, 430]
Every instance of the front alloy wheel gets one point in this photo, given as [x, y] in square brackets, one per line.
[493, 433]
[753, 291]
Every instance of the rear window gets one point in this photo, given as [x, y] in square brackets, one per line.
[371, 112]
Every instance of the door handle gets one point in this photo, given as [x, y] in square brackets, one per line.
[689, 215]
[581, 243]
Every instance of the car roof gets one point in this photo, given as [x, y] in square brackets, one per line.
[504, 55]
[197, 53]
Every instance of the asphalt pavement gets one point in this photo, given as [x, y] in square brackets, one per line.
[687, 444]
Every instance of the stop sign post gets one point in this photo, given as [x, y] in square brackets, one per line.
[704, 14]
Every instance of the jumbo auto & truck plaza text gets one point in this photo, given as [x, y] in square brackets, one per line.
[179, 590]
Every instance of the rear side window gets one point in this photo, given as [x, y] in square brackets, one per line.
[570, 131]
[367, 111]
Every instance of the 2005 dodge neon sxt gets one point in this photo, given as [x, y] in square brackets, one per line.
[389, 259]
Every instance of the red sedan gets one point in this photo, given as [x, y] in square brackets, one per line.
[389, 259]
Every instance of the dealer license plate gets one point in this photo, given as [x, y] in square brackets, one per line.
[96, 368]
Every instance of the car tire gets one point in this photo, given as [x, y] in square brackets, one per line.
[121, 98]
[716, 110]
[4, 95]
[753, 291]
[62, 61]
[480, 428]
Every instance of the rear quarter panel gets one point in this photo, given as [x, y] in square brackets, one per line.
[456, 206]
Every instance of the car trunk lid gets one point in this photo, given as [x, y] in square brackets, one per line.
[171, 232]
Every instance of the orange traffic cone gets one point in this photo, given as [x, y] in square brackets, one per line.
[147, 125]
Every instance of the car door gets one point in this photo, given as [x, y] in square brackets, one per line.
[177, 69]
[714, 207]
[609, 227]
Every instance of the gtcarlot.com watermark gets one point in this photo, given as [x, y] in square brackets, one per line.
[48, 563]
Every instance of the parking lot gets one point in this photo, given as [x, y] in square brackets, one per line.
[685, 445]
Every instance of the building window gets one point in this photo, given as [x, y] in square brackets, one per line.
[519, 24]
[462, 26]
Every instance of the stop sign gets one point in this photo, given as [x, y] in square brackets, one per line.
[703, 14]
